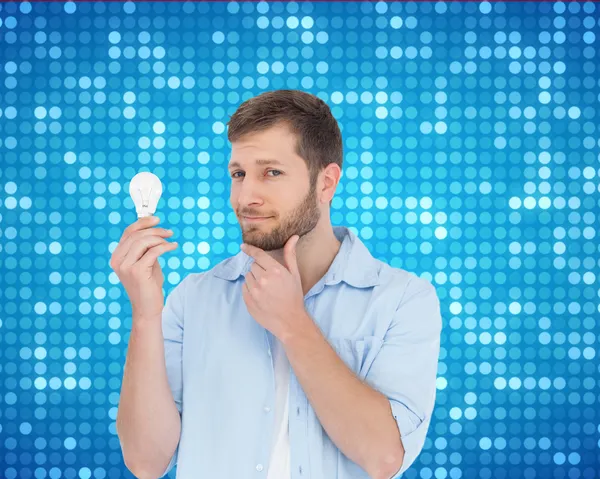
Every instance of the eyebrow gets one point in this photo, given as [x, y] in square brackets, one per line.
[259, 162]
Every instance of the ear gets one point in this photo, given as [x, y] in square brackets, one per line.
[328, 180]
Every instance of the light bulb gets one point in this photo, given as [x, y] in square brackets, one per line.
[145, 190]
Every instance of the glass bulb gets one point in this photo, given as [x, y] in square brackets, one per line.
[145, 190]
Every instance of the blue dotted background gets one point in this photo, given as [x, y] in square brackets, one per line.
[471, 141]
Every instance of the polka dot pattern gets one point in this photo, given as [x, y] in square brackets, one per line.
[471, 156]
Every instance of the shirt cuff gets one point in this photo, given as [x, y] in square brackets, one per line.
[413, 430]
[172, 462]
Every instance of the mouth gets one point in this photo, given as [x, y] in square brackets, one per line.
[255, 219]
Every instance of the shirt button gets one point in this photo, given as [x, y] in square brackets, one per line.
[267, 408]
[259, 467]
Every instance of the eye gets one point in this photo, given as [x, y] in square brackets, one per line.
[269, 171]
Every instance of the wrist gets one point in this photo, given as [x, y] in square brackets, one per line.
[144, 321]
[301, 326]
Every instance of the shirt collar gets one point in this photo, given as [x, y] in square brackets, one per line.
[353, 263]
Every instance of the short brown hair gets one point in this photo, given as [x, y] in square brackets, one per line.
[308, 117]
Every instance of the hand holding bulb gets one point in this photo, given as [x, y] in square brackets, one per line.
[135, 259]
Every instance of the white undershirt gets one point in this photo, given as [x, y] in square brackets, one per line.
[279, 466]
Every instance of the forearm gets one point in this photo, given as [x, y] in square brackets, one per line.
[148, 422]
[356, 417]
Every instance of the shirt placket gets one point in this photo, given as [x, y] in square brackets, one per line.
[298, 424]
[262, 465]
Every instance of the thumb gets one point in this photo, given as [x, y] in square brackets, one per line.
[289, 254]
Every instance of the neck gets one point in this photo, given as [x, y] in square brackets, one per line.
[314, 252]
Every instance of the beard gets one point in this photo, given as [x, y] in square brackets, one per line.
[301, 221]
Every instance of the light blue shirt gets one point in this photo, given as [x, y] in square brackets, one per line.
[383, 322]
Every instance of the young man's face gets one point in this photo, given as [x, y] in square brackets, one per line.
[280, 191]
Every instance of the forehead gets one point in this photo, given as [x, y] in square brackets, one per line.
[274, 146]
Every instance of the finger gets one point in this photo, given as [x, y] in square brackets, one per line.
[122, 249]
[162, 232]
[257, 272]
[153, 253]
[251, 284]
[259, 266]
[140, 247]
[290, 255]
[246, 293]
[260, 256]
[141, 223]
[123, 245]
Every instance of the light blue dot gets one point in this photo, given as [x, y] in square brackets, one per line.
[559, 458]
[70, 443]
[129, 7]
[485, 443]
[218, 37]
[114, 37]
[396, 22]
[25, 428]
[485, 7]
[544, 97]
[574, 112]
[70, 7]
[10, 22]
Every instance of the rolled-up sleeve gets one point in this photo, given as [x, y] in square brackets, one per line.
[172, 328]
[405, 368]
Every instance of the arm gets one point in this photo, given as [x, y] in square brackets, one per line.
[148, 418]
[380, 423]
[148, 422]
[356, 417]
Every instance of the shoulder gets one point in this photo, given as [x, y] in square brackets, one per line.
[403, 284]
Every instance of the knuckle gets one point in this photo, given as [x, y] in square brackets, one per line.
[135, 273]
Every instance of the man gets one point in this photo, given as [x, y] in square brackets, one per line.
[302, 356]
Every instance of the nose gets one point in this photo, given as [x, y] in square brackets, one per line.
[249, 193]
